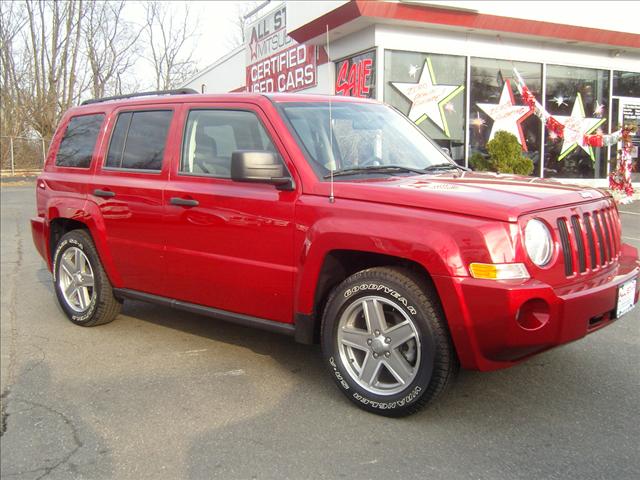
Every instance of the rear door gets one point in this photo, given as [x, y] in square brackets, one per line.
[128, 189]
[229, 244]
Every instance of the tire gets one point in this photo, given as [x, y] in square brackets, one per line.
[81, 284]
[385, 341]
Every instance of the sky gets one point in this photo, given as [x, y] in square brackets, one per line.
[215, 27]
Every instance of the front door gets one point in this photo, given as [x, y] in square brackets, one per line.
[229, 244]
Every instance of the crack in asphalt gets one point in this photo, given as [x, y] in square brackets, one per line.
[13, 330]
[65, 459]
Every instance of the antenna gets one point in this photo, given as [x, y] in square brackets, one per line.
[332, 199]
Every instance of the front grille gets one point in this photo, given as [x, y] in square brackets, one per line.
[591, 242]
[566, 246]
[577, 233]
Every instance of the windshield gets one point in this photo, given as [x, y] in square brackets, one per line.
[363, 136]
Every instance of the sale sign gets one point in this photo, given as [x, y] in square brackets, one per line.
[355, 76]
[275, 62]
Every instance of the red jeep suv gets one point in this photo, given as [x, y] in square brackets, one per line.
[330, 219]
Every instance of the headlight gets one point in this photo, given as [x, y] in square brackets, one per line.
[537, 241]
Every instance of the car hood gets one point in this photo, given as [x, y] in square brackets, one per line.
[488, 195]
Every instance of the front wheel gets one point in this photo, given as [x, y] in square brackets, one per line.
[385, 341]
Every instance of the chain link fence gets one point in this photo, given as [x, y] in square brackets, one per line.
[22, 155]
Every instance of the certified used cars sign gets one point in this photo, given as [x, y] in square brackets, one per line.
[275, 62]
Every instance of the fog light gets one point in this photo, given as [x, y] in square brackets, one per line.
[533, 314]
[499, 271]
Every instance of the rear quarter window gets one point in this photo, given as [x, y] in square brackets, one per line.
[79, 141]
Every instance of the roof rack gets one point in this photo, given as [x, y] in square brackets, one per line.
[178, 91]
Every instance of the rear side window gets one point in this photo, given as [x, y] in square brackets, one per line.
[139, 139]
[79, 141]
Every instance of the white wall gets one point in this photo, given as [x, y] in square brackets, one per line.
[300, 13]
[223, 76]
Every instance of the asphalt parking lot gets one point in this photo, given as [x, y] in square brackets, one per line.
[161, 394]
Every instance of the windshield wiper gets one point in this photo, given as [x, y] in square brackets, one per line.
[374, 169]
[446, 166]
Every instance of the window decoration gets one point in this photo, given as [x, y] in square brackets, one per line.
[428, 98]
[356, 75]
[575, 130]
[506, 115]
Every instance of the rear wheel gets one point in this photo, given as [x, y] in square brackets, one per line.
[82, 286]
[386, 343]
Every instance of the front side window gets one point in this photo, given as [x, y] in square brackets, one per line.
[211, 136]
[79, 141]
[359, 136]
[139, 139]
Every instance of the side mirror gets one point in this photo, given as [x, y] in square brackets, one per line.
[260, 167]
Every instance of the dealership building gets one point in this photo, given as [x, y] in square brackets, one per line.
[449, 66]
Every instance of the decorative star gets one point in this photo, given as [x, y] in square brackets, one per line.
[450, 108]
[576, 127]
[507, 116]
[253, 46]
[599, 110]
[478, 122]
[428, 98]
[413, 69]
[559, 100]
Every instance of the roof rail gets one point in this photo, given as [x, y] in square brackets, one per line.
[178, 91]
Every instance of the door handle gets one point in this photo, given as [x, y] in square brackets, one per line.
[103, 193]
[184, 202]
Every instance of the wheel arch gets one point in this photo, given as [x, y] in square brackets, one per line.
[337, 265]
[90, 221]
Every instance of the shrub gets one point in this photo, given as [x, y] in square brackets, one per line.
[505, 156]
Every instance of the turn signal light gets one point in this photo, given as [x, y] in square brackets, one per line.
[499, 271]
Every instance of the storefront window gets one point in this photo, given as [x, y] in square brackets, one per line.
[496, 105]
[579, 99]
[625, 110]
[429, 90]
[626, 84]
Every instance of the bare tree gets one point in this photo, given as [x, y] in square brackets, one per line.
[242, 9]
[52, 39]
[111, 47]
[53, 53]
[170, 43]
[13, 70]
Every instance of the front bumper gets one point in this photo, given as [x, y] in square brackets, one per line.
[495, 324]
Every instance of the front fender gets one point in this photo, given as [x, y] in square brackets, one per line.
[444, 244]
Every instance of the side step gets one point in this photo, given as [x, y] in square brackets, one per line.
[238, 318]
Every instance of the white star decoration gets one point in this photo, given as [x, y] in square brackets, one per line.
[507, 116]
[559, 100]
[427, 98]
[576, 127]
